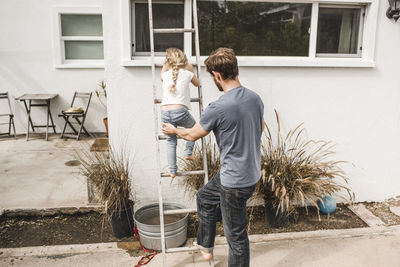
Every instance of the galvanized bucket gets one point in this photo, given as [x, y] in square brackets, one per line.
[147, 220]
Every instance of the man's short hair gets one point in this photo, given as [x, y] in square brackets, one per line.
[223, 60]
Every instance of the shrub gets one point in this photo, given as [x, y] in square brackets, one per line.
[193, 183]
[296, 170]
[109, 173]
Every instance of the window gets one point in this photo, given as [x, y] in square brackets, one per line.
[262, 32]
[165, 15]
[78, 37]
[255, 28]
[82, 36]
[339, 31]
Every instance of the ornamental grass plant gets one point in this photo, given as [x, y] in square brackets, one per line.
[109, 173]
[296, 171]
[192, 183]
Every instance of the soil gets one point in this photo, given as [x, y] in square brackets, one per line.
[91, 228]
[342, 218]
[29, 231]
[382, 210]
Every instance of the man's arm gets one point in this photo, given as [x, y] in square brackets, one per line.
[189, 134]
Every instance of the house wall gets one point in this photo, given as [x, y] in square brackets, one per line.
[27, 63]
[356, 108]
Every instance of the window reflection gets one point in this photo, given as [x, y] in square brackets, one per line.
[254, 28]
[338, 30]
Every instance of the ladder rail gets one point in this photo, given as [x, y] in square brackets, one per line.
[153, 77]
[199, 88]
[158, 137]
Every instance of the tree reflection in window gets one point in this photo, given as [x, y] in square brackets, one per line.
[254, 28]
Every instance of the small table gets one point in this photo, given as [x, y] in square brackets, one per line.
[46, 98]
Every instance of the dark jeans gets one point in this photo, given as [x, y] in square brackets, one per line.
[234, 217]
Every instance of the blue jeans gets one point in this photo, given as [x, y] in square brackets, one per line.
[177, 117]
[234, 218]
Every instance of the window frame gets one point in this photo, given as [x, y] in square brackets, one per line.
[59, 40]
[362, 8]
[139, 54]
[367, 40]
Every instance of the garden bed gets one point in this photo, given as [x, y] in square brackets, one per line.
[82, 228]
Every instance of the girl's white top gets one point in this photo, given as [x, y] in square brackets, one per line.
[182, 92]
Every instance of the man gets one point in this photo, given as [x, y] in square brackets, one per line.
[236, 119]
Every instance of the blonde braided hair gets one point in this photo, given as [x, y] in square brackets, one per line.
[176, 59]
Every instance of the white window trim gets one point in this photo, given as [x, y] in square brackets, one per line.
[179, 2]
[58, 39]
[360, 31]
[367, 43]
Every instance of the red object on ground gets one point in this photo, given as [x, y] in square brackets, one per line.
[148, 257]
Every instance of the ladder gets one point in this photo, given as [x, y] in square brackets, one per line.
[159, 137]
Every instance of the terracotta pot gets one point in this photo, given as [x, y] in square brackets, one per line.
[105, 120]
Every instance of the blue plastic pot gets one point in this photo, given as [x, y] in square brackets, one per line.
[328, 205]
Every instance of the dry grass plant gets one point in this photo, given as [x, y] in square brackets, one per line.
[296, 170]
[109, 173]
[192, 183]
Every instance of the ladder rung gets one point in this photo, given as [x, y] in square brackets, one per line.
[172, 30]
[158, 100]
[166, 174]
[164, 137]
[181, 249]
[179, 211]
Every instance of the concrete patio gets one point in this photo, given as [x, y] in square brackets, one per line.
[38, 174]
[361, 247]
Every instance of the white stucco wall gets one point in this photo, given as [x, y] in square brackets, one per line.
[356, 108]
[27, 62]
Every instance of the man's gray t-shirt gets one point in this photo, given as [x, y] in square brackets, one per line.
[236, 119]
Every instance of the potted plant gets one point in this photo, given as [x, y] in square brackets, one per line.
[101, 94]
[109, 173]
[296, 171]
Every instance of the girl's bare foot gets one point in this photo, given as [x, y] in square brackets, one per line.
[189, 158]
[173, 175]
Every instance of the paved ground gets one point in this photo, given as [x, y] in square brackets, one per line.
[366, 247]
[33, 174]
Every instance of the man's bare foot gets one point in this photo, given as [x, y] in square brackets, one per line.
[189, 158]
[207, 256]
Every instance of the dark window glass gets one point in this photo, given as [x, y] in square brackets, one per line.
[165, 16]
[338, 30]
[254, 28]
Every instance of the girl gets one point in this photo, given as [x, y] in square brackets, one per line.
[176, 75]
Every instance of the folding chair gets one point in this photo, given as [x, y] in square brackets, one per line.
[4, 97]
[78, 115]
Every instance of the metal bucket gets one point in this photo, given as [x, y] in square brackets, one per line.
[147, 220]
